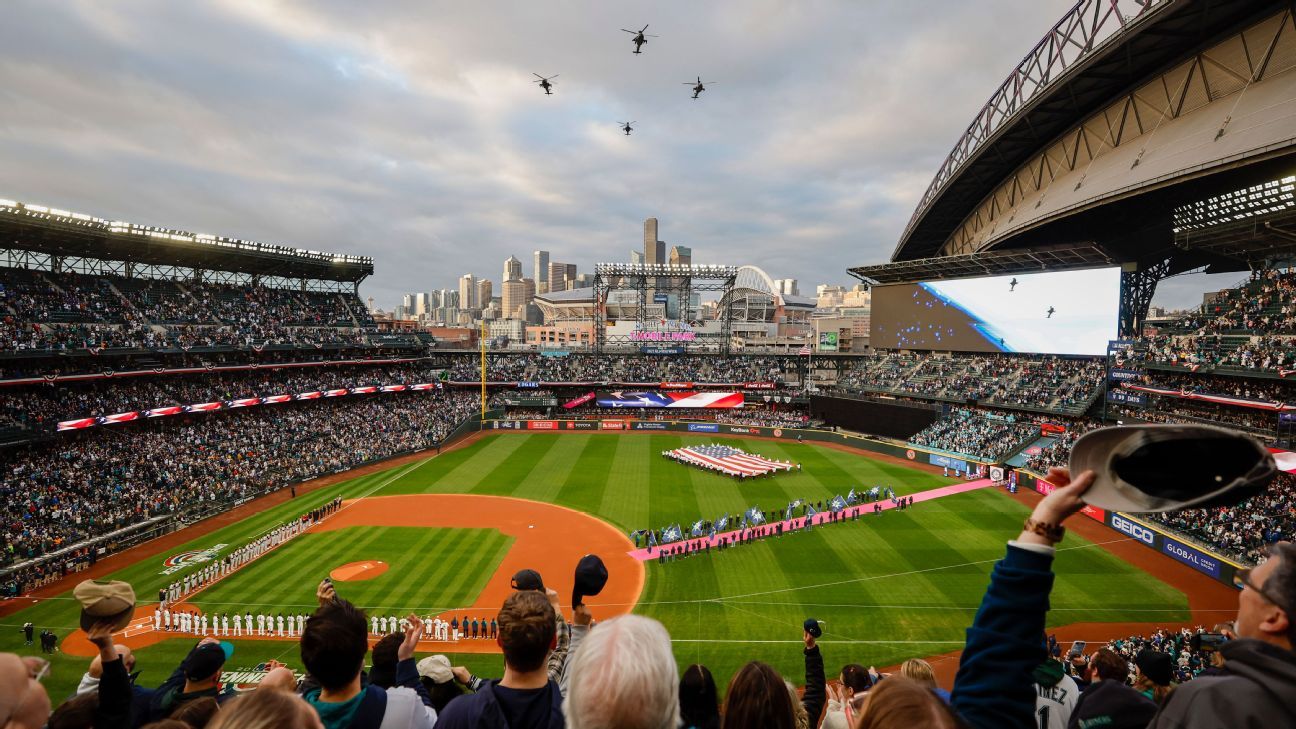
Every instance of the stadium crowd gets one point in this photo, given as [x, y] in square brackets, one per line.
[562, 668]
[976, 433]
[60, 311]
[626, 368]
[83, 485]
[1011, 381]
[1245, 531]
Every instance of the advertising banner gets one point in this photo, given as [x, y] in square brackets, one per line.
[1093, 512]
[673, 399]
[760, 386]
[742, 430]
[676, 385]
[649, 426]
[542, 425]
[662, 350]
[581, 425]
[1191, 556]
[587, 397]
[703, 428]
[1132, 529]
[1117, 375]
[827, 341]
[937, 459]
[529, 385]
[612, 425]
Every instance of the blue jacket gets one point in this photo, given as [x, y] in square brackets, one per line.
[482, 710]
[994, 687]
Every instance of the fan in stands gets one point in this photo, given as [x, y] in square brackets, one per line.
[729, 461]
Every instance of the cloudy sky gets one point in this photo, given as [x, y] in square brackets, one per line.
[412, 131]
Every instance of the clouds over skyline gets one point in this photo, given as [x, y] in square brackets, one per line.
[412, 131]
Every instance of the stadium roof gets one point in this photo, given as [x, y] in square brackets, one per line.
[1100, 49]
[990, 263]
[63, 233]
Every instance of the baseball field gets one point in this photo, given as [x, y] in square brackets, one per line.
[440, 535]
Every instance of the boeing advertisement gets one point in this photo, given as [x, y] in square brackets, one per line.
[1066, 312]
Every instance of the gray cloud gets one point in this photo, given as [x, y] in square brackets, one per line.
[411, 131]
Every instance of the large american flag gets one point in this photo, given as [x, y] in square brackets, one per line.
[805, 350]
[729, 460]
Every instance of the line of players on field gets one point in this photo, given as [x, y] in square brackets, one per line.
[454, 629]
[227, 626]
[238, 625]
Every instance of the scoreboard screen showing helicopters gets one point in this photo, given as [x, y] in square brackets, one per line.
[1066, 312]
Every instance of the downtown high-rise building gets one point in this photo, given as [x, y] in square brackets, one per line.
[485, 292]
[540, 270]
[468, 291]
[681, 256]
[558, 275]
[514, 297]
[654, 249]
[512, 270]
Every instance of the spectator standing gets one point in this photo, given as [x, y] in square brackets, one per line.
[758, 697]
[525, 698]
[623, 676]
[699, 704]
[1257, 687]
[333, 649]
[1108, 702]
[1055, 695]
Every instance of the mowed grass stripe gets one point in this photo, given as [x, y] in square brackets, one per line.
[589, 474]
[539, 474]
[411, 575]
[628, 491]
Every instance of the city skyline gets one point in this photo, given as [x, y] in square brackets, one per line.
[414, 134]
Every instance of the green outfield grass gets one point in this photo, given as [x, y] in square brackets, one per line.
[893, 586]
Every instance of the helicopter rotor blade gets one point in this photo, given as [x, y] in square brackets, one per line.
[643, 28]
[631, 32]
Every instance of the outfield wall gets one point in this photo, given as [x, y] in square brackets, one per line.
[1152, 536]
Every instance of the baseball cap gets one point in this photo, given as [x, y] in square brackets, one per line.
[1149, 468]
[527, 580]
[591, 577]
[436, 668]
[109, 600]
[813, 627]
[206, 660]
[1157, 666]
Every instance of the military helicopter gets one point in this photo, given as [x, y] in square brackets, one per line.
[698, 87]
[625, 126]
[544, 83]
[639, 38]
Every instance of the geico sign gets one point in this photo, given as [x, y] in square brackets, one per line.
[1138, 531]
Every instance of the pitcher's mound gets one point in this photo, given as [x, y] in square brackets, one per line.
[356, 571]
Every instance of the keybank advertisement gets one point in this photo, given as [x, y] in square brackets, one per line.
[1191, 557]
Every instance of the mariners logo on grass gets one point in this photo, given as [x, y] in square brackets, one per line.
[247, 679]
[177, 562]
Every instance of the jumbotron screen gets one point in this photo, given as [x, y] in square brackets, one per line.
[1066, 312]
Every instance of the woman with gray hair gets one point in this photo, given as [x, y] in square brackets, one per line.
[623, 676]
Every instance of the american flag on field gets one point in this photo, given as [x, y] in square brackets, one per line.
[805, 350]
